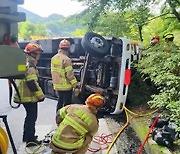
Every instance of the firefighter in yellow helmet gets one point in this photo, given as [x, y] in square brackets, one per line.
[168, 37]
[30, 92]
[77, 124]
[62, 74]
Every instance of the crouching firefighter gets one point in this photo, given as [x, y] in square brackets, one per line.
[30, 93]
[77, 124]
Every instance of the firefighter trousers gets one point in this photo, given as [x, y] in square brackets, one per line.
[30, 120]
[65, 98]
[81, 150]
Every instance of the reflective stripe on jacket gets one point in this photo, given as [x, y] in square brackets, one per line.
[75, 123]
[26, 94]
[62, 72]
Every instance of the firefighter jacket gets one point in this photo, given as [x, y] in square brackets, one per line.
[62, 72]
[77, 124]
[29, 89]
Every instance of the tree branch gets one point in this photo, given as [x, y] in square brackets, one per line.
[174, 11]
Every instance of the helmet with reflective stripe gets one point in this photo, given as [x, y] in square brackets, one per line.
[168, 36]
[64, 44]
[33, 48]
[94, 101]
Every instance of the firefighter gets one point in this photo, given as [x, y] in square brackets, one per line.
[30, 93]
[168, 37]
[62, 74]
[11, 39]
[155, 40]
[77, 124]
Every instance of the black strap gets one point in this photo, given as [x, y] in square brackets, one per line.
[11, 82]
[30, 64]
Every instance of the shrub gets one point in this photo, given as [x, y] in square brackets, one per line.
[162, 64]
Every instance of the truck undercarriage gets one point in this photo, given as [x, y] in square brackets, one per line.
[100, 66]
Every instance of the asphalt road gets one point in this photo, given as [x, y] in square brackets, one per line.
[15, 118]
[127, 142]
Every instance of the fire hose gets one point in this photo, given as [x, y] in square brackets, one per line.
[3, 141]
[106, 139]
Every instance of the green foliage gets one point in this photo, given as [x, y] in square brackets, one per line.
[54, 17]
[121, 25]
[105, 22]
[155, 27]
[26, 30]
[132, 16]
[54, 28]
[136, 18]
[51, 28]
[78, 32]
[162, 64]
[40, 29]
[161, 26]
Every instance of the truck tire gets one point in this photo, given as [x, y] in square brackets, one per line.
[95, 44]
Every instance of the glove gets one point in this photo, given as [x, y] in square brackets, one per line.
[76, 92]
[41, 100]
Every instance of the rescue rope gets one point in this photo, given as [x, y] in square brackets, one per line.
[39, 148]
[139, 115]
[102, 140]
[106, 139]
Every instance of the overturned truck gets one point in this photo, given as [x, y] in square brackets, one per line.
[100, 65]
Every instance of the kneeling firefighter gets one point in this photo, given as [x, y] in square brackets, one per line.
[30, 92]
[77, 124]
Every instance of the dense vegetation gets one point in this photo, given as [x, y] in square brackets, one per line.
[140, 20]
[136, 20]
[161, 64]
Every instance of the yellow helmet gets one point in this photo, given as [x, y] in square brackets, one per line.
[168, 36]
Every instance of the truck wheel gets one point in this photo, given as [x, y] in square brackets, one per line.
[95, 44]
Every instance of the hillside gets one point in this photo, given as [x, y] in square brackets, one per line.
[34, 18]
[54, 24]
[30, 16]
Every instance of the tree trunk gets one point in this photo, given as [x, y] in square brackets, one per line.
[140, 33]
[174, 11]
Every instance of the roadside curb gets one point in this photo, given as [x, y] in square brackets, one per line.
[106, 130]
[141, 128]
